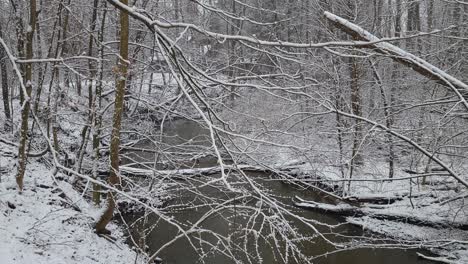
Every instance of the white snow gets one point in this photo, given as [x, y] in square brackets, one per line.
[44, 228]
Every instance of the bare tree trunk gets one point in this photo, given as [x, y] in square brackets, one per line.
[91, 64]
[97, 108]
[232, 53]
[92, 74]
[17, 7]
[114, 178]
[388, 119]
[5, 89]
[49, 54]
[150, 85]
[22, 155]
[41, 69]
[356, 108]
[339, 128]
[65, 45]
[79, 86]
[56, 77]
[356, 104]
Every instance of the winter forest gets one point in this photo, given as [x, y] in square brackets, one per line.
[234, 131]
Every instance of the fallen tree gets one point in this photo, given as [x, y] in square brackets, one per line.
[206, 171]
[189, 172]
[382, 199]
[346, 209]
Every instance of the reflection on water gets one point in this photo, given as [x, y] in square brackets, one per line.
[192, 199]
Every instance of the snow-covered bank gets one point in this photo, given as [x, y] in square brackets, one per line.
[454, 248]
[49, 222]
[435, 218]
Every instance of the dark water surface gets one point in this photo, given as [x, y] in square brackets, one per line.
[185, 206]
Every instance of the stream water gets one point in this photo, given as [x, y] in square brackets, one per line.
[192, 198]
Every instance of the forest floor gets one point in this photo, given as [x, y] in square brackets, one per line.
[49, 222]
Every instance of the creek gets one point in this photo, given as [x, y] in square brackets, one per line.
[192, 198]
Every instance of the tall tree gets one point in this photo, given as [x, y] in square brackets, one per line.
[22, 155]
[114, 178]
[97, 107]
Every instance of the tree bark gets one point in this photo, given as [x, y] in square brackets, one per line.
[5, 89]
[114, 177]
[22, 155]
[41, 69]
[387, 104]
[19, 29]
[97, 107]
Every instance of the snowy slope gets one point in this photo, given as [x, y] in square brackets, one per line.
[41, 225]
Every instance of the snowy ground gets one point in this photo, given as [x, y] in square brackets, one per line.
[41, 225]
[50, 222]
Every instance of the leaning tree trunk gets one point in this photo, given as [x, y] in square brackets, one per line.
[114, 178]
[22, 155]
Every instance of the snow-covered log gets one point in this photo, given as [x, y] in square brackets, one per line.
[187, 172]
[360, 211]
[381, 199]
[208, 170]
[439, 259]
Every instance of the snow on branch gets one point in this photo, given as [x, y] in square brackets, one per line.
[418, 64]
[156, 25]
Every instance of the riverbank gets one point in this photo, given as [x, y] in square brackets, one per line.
[433, 214]
[52, 221]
